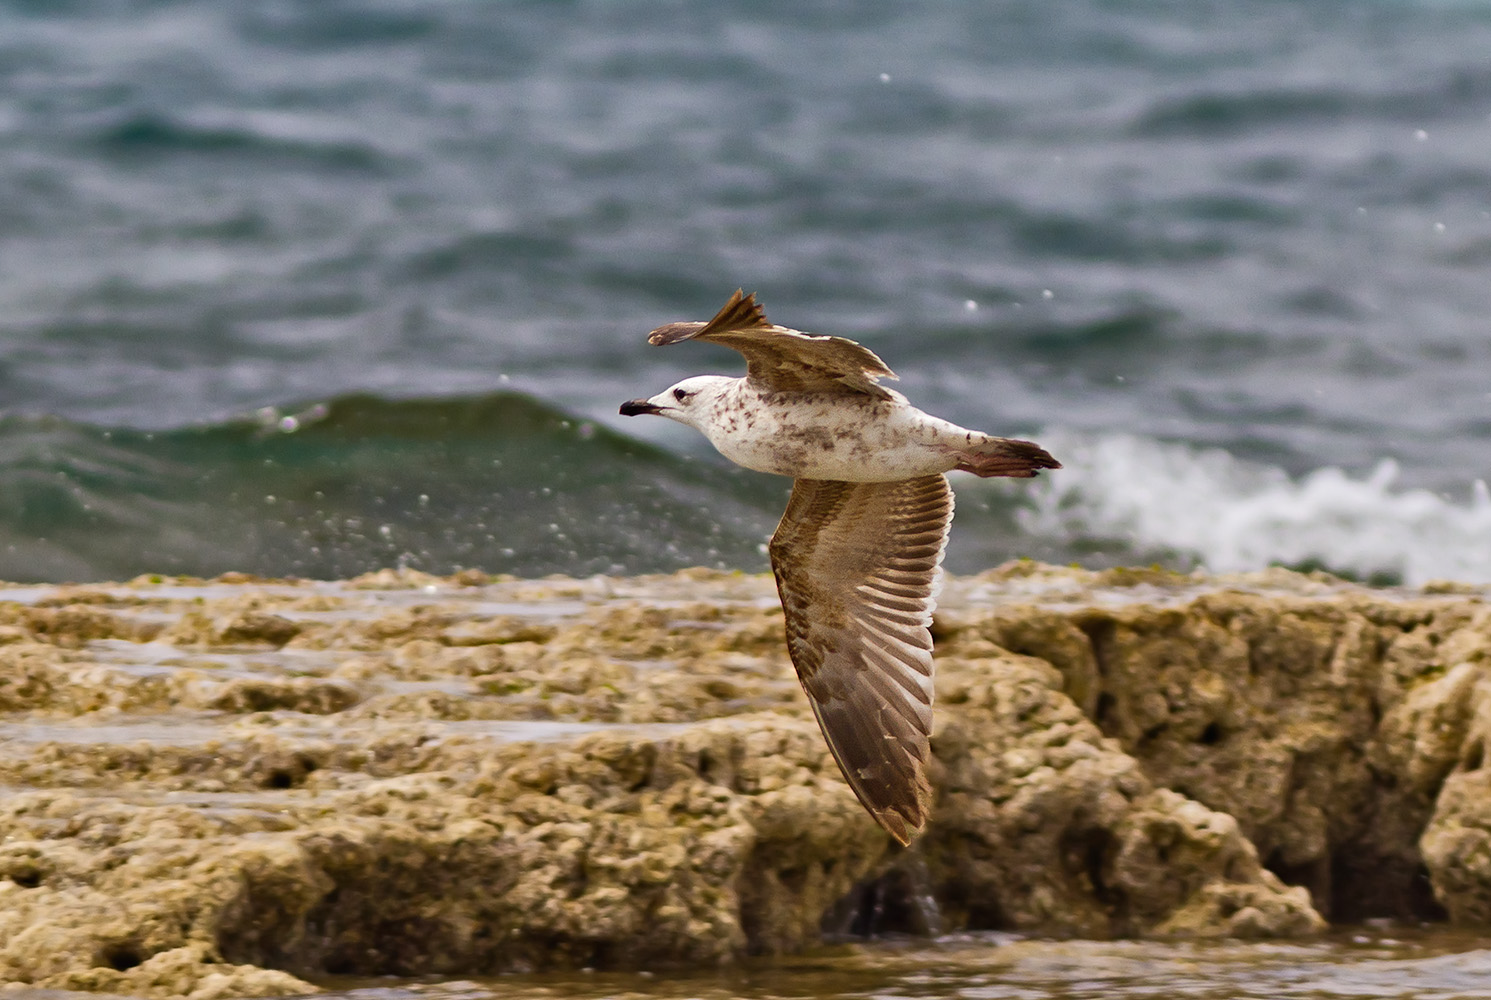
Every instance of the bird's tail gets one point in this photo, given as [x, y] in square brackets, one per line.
[1005, 457]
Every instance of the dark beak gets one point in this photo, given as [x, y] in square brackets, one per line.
[637, 407]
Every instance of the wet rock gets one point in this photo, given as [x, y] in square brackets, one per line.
[1284, 711]
[231, 788]
[191, 972]
[235, 628]
[499, 631]
[1453, 723]
[298, 694]
[1044, 824]
[73, 625]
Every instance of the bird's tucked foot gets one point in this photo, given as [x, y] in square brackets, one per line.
[1005, 457]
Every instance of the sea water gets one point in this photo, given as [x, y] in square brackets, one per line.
[311, 288]
[1364, 964]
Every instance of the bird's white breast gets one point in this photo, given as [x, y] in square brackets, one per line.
[854, 438]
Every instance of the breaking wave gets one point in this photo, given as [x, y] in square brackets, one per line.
[1227, 514]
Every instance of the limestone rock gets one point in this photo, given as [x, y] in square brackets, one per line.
[1045, 824]
[1456, 719]
[231, 788]
[1285, 711]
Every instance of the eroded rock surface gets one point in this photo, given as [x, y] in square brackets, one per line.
[221, 788]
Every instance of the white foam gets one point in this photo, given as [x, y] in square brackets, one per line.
[1234, 515]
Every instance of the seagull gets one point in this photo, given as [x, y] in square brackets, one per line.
[857, 556]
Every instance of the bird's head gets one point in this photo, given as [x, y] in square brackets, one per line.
[688, 402]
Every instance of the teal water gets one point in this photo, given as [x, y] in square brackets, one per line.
[328, 491]
[1227, 261]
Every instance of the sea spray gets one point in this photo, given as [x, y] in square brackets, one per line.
[1228, 514]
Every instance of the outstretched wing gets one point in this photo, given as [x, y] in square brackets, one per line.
[857, 567]
[783, 360]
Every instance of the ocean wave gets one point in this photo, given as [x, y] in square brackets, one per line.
[500, 482]
[144, 135]
[507, 483]
[1227, 514]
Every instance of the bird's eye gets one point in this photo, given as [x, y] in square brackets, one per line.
[681, 396]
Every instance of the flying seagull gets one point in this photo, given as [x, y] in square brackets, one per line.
[857, 554]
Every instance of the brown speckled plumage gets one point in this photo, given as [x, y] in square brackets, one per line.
[783, 360]
[857, 554]
[857, 570]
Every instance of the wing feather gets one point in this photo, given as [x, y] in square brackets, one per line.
[783, 360]
[858, 569]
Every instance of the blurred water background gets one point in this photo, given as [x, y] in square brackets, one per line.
[311, 288]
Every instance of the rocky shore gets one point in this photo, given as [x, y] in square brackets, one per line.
[233, 787]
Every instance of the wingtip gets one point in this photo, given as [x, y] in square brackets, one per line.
[904, 821]
[741, 312]
[900, 831]
[672, 333]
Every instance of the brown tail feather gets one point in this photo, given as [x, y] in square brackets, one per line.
[1006, 457]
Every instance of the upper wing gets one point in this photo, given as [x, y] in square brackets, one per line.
[783, 360]
[857, 566]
